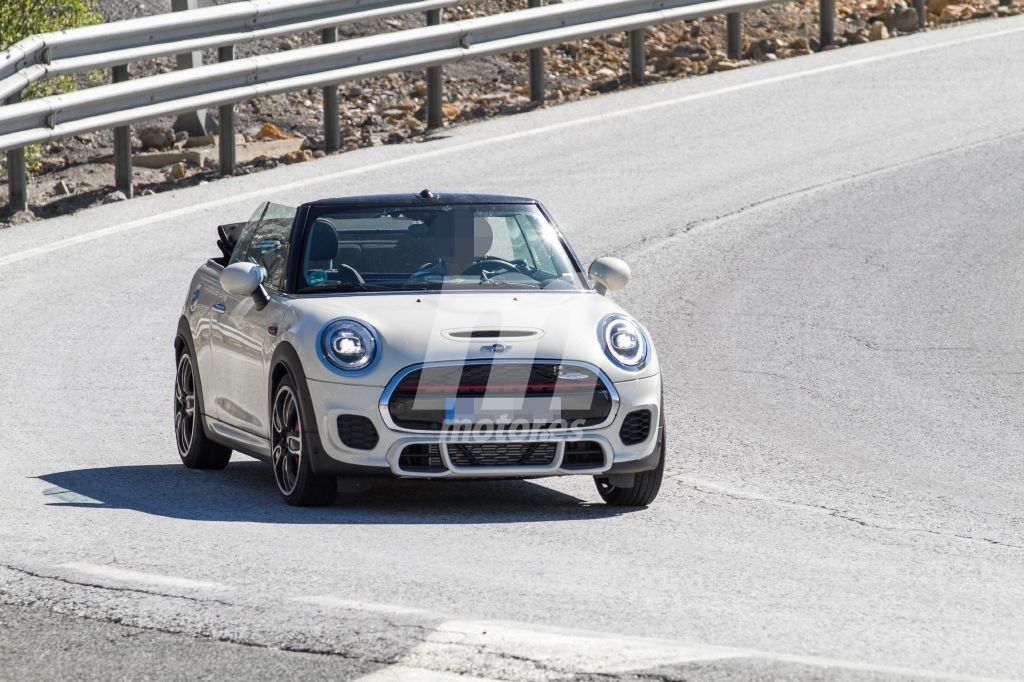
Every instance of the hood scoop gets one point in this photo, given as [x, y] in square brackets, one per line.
[492, 334]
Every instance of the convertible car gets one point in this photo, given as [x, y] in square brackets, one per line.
[437, 336]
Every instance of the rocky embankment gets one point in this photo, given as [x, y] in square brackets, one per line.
[77, 172]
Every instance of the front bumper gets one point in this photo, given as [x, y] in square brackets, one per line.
[331, 400]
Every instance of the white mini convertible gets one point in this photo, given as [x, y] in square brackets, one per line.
[440, 336]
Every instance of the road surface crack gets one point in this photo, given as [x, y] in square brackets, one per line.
[652, 241]
[713, 489]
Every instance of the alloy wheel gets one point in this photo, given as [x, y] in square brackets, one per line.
[287, 440]
[184, 405]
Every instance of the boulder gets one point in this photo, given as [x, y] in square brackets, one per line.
[297, 156]
[155, 137]
[177, 171]
[906, 20]
[878, 31]
[724, 65]
[690, 51]
[115, 197]
[952, 13]
[269, 131]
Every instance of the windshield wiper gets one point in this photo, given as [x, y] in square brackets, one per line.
[351, 286]
[501, 284]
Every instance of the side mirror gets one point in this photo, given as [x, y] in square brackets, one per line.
[241, 279]
[608, 274]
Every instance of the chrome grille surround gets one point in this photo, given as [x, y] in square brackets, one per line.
[389, 391]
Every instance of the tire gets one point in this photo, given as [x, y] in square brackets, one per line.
[646, 484]
[291, 451]
[195, 449]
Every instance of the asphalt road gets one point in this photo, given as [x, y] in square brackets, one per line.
[828, 251]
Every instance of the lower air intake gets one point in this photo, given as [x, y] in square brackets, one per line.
[635, 427]
[421, 459]
[502, 454]
[584, 454]
[357, 432]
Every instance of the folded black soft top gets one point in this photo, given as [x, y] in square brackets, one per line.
[227, 237]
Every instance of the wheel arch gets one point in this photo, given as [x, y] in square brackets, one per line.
[285, 360]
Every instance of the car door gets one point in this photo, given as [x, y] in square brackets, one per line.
[207, 295]
[240, 328]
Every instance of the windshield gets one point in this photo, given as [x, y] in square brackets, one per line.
[449, 247]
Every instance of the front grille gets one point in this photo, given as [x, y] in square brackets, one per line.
[502, 454]
[421, 458]
[568, 395]
[635, 427]
[357, 432]
[583, 454]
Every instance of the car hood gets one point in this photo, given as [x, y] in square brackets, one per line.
[434, 327]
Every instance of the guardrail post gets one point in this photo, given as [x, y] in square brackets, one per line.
[734, 29]
[196, 123]
[827, 17]
[537, 85]
[226, 135]
[123, 144]
[17, 174]
[435, 82]
[332, 107]
[637, 58]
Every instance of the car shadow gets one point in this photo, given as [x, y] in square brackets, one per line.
[245, 491]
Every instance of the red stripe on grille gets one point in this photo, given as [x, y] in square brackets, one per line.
[478, 388]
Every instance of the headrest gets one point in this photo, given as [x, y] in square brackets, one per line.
[323, 241]
[350, 254]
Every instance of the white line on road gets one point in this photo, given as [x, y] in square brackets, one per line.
[540, 130]
[154, 579]
[401, 673]
[468, 644]
[465, 645]
[65, 496]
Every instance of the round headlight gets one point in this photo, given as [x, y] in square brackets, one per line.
[348, 344]
[624, 342]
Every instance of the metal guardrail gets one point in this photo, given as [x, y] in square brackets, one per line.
[105, 45]
[121, 103]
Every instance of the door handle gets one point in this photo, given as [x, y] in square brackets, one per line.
[219, 308]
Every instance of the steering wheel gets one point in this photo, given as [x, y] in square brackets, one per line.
[491, 262]
[347, 275]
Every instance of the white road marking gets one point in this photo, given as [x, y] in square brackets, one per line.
[154, 579]
[463, 644]
[509, 137]
[391, 609]
[401, 673]
[454, 645]
[64, 496]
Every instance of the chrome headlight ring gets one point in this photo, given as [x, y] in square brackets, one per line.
[624, 342]
[349, 345]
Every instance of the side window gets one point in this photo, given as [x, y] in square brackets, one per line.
[269, 245]
[246, 236]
